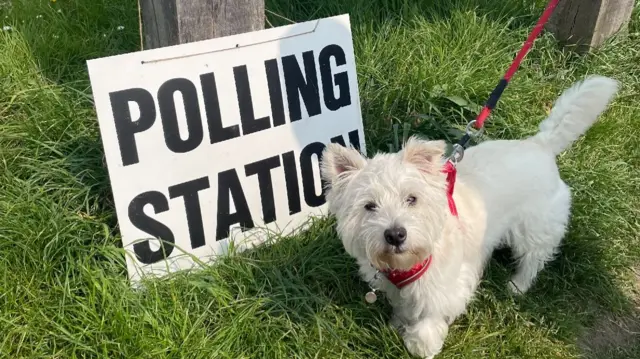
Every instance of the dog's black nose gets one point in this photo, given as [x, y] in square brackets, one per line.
[395, 236]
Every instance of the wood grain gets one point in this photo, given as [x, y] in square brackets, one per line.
[588, 24]
[173, 22]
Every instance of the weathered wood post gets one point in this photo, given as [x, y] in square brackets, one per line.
[173, 22]
[587, 24]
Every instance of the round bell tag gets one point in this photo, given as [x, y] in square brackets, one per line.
[371, 297]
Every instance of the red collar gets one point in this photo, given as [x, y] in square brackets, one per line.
[450, 170]
[402, 278]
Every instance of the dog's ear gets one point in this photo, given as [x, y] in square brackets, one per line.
[340, 162]
[425, 155]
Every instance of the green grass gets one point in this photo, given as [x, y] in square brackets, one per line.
[63, 287]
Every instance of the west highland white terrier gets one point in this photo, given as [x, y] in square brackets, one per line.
[393, 215]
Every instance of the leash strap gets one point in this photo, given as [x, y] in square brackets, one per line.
[458, 148]
[492, 101]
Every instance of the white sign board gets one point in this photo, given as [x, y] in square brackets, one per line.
[219, 140]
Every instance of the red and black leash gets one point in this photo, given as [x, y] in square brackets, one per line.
[458, 149]
[492, 101]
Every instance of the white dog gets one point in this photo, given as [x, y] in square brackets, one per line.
[393, 215]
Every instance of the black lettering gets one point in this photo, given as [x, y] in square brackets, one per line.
[169, 116]
[275, 92]
[151, 226]
[339, 140]
[189, 190]
[228, 183]
[126, 128]
[295, 84]
[308, 181]
[291, 180]
[217, 133]
[250, 124]
[263, 170]
[354, 140]
[340, 79]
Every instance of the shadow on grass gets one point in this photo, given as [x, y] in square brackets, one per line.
[573, 297]
[305, 281]
[84, 158]
[374, 13]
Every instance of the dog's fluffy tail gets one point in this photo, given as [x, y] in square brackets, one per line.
[575, 111]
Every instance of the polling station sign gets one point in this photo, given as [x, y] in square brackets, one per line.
[219, 141]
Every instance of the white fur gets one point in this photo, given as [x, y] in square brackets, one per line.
[507, 193]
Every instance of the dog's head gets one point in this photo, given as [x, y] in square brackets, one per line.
[390, 209]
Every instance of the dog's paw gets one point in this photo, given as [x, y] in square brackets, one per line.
[426, 338]
[396, 323]
[419, 350]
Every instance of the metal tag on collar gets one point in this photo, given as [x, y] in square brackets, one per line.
[371, 295]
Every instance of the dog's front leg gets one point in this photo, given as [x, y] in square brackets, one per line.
[367, 273]
[426, 337]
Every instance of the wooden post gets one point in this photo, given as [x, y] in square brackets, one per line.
[589, 23]
[173, 22]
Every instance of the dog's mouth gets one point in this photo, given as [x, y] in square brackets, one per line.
[396, 249]
[399, 257]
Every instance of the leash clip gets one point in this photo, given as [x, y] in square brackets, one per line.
[457, 153]
[475, 134]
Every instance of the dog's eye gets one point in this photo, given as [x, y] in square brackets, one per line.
[411, 200]
[370, 206]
